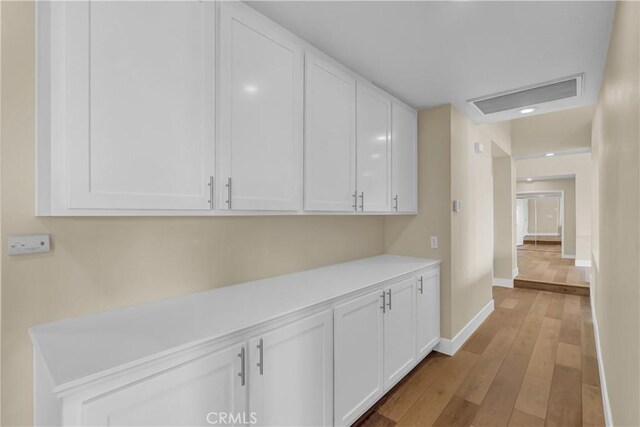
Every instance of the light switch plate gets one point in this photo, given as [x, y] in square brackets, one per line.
[457, 205]
[434, 242]
[29, 244]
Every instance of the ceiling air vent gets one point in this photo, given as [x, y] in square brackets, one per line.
[567, 87]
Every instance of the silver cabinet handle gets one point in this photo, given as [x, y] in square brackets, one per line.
[389, 302]
[260, 364]
[395, 206]
[421, 288]
[228, 192]
[211, 192]
[242, 374]
[355, 201]
[362, 201]
[384, 307]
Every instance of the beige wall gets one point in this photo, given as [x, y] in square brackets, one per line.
[472, 227]
[616, 247]
[569, 188]
[578, 165]
[504, 232]
[103, 263]
[409, 235]
[449, 169]
[552, 132]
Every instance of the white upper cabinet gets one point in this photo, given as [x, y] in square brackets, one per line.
[207, 108]
[261, 104]
[373, 116]
[137, 79]
[404, 155]
[330, 137]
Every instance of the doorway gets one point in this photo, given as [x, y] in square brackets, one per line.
[542, 264]
[540, 220]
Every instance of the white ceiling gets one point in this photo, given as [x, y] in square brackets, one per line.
[433, 53]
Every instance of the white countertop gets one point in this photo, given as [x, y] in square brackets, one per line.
[77, 348]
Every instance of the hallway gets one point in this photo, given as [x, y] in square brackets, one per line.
[531, 363]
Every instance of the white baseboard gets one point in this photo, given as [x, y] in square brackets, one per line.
[583, 263]
[450, 347]
[603, 382]
[514, 273]
[503, 283]
[569, 256]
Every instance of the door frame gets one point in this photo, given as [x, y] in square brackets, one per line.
[548, 194]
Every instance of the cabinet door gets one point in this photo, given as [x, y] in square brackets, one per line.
[291, 376]
[373, 150]
[261, 75]
[428, 312]
[330, 132]
[187, 395]
[399, 331]
[404, 155]
[358, 341]
[140, 104]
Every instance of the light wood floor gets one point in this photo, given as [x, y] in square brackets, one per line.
[544, 264]
[531, 363]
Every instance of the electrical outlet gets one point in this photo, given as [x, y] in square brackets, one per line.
[434, 242]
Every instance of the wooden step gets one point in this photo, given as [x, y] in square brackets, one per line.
[543, 240]
[564, 288]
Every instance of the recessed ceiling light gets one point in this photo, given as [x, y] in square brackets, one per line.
[250, 89]
[528, 110]
[529, 179]
[550, 154]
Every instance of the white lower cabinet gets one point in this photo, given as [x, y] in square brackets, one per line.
[399, 331]
[375, 347]
[322, 363]
[359, 345]
[291, 374]
[192, 394]
[286, 374]
[428, 311]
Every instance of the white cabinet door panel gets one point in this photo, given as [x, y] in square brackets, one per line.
[140, 104]
[291, 377]
[399, 331]
[428, 311]
[261, 113]
[358, 342]
[183, 396]
[373, 150]
[330, 126]
[404, 154]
